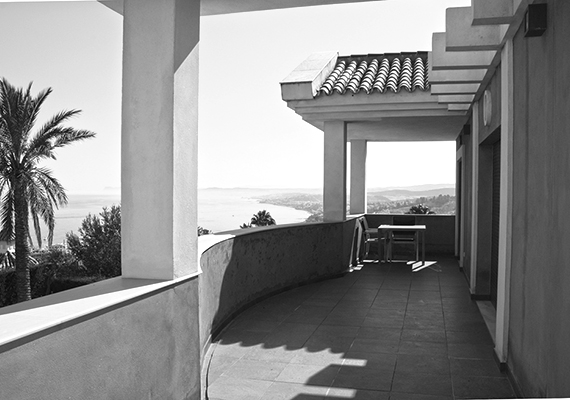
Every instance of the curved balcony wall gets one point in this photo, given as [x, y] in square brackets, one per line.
[260, 262]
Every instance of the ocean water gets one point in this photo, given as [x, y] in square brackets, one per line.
[218, 210]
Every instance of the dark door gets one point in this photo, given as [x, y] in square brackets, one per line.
[495, 220]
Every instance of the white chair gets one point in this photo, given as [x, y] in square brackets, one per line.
[404, 237]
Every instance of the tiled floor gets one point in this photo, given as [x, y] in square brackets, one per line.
[382, 332]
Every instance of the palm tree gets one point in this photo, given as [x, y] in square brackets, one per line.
[262, 218]
[28, 189]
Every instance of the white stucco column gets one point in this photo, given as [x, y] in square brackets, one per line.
[159, 138]
[474, 196]
[358, 176]
[506, 205]
[334, 193]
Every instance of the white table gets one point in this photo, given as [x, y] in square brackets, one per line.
[387, 230]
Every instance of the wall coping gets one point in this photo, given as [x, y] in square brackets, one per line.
[23, 322]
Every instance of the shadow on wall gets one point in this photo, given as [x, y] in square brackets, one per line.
[262, 262]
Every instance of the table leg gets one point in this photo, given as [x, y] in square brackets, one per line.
[423, 248]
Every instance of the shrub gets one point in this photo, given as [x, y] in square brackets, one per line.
[53, 270]
[98, 246]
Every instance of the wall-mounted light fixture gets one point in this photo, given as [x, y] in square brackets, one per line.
[535, 20]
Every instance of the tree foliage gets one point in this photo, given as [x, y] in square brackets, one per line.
[203, 231]
[261, 218]
[27, 189]
[98, 245]
[419, 209]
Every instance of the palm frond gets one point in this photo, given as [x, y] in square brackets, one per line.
[37, 228]
[7, 217]
[53, 188]
[41, 144]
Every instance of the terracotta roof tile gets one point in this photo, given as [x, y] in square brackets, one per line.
[378, 73]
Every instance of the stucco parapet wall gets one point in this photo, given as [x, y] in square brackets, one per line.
[305, 80]
[24, 322]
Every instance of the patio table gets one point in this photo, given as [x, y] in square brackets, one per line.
[387, 230]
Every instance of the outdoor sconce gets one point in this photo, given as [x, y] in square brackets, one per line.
[535, 20]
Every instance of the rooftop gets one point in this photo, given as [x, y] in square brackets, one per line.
[378, 73]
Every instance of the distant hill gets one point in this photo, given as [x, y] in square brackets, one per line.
[400, 194]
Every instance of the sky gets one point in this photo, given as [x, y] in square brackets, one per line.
[248, 137]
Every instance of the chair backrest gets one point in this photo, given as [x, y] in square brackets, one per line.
[364, 223]
[404, 220]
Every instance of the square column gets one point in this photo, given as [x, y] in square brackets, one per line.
[358, 150]
[159, 138]
[334, 194]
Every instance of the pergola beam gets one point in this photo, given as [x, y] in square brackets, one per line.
[463, 36]
[457, 76]
[441, 59]
[492, 12]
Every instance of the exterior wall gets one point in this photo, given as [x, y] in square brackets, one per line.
[440, 230]
[145, 349]
[539, 350]
[467, 179]
[486, 137]
[247, 268]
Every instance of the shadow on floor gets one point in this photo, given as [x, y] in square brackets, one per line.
[381, 332]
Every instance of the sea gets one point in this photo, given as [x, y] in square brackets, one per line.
[219, 210]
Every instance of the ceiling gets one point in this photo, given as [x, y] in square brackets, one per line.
[214, 7]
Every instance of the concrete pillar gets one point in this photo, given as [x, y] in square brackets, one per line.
[334, 194]
[474, 197]
[506, 206]
[159, 138]
[358, 176]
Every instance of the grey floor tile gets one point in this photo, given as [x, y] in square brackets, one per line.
[383, 322]
[337, 330]
[323, 357]
[423, 348]
[422, 383]
[374, 360]
[424, 335]
[470, 367]
[356, 394]
[482, 387]
[292, 391]
[381, 333]
[227, 388]
[255, 369]
[375, 345]
[411, 363]
[468, 350]
[338, 344]
[343, 320]
[364, 377]
[279, 354]
[316, 375]
[478, 336]
[411, 396]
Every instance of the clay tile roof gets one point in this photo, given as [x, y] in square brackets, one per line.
[378, 73]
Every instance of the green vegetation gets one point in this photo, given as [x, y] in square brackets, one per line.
[27, 189]
[203, 231]
[441, 204]
[51, 270]
[262, 218]
[98, 246]
[378, 202]
[419, 209]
